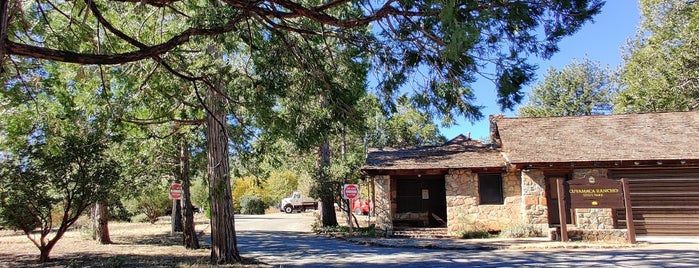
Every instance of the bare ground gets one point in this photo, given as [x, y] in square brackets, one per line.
[135, 245]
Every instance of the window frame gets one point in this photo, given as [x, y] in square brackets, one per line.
[499, 198]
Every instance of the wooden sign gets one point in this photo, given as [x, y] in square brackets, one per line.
[595, 192]
[592, 192]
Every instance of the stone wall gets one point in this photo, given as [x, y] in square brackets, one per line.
[465, 214]
[594, 218]
[534, 205]
[610, 235]
[382, 208]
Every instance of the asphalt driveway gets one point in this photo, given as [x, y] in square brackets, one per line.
[285, 240]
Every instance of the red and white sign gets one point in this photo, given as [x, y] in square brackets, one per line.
[350, 191]
[175, 191]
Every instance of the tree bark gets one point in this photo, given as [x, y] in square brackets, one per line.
[189, 236]
[4, 16]
[327, 196]
[176, 217]
[224, 246]
[100, 220]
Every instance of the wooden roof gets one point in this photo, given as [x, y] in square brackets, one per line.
[651, 136]
[460, 152]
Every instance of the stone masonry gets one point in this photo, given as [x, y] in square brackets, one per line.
[382, 208]
[464, 212]
[593, 218]
[534, 207]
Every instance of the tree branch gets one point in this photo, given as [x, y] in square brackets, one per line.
[14, 48]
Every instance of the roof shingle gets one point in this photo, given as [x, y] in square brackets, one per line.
[651, 136]
[460, 152]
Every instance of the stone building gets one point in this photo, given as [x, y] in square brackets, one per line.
[465, 184]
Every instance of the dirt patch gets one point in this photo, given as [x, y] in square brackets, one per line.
[135, 245]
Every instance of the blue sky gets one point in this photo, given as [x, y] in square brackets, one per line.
[601, 40]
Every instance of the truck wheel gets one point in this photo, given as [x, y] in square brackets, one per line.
[288, 209]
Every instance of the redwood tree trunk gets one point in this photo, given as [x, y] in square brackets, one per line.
[189, 236]
[176, 217]
[4, 16]
[100, 220]
[327, 196]
[224, 246]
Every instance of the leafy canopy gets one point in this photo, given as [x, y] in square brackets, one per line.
[580, 88]
[449, 43]
[661, 65]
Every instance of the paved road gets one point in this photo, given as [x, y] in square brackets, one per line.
[283, 239]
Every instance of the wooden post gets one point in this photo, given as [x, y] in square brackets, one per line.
[562, 209]
[349, 215]
[629, 213]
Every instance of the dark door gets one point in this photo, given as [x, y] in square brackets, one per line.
[423, 194]
[552, 200]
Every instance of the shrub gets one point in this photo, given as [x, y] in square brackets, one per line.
[252, 204]
[522, 230]
[242, 187]
[151, 201]
[118, 212]
[474, 234]
[140, 217]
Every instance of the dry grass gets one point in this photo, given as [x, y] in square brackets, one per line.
[135, 245]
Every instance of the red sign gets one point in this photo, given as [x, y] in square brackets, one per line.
[350, 191]
[175, 191]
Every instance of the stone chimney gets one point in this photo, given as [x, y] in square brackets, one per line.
[494, 135]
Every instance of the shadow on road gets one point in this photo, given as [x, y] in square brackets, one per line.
[308, 250]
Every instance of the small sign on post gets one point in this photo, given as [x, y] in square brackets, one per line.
[175, 191]
[350, 191]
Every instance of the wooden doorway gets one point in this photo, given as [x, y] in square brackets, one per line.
[423, 197]
[552, 199]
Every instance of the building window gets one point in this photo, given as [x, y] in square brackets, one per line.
[490, 189]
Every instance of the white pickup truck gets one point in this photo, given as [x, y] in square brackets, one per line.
[297, 203]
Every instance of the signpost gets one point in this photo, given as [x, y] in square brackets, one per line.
[175, 191]
[350, 192]
[595, 192]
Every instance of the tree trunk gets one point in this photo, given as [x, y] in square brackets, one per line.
[327, 193]
[176, 217]
[44, 254]
[100, 221]
[224, 246]
[189, 236]
[4, 16]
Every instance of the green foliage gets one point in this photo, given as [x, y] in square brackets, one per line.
[199, 193]
[151, 200]
[344, 231]
[118, 212]
[661, 64]
[405, 127]
[475, 234]
[580, 88]
[522, 230]
[278, 185]
[141, 217]
[242, 187]
[252, 205]
[65, 176]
